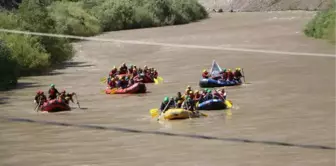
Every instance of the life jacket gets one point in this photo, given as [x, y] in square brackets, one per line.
[237, 74]
[112, 84]
[52, 92]
[197, 96]
[205, 74]
[230, 76]
[156, 74]
[225, 75]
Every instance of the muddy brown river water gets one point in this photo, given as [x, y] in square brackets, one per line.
[289, 102]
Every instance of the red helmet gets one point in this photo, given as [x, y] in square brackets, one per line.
[38, 92]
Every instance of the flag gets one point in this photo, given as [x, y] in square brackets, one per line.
[215, 69]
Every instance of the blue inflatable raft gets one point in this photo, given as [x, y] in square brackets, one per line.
[214, 104]
[209, 83]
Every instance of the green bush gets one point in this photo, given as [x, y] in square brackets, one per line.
[127, 14]
[34, 54]
[70, 18]
[8, 68]
[27, 52]
[9, 20]
[322, 25]
[36, 18]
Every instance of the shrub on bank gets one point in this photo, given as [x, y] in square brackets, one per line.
[127, 14]
[27, 52]
[322, 25]
[35, 54]
[70, 18]
[8, 68]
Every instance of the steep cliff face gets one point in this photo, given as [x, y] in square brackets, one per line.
[265, 5]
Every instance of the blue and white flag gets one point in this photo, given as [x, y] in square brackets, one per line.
[215, 69]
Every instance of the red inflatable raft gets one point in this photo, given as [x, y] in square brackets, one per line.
[55, 106]
[135, 88]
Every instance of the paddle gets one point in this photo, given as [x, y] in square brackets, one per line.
[156, 81]
[37, 106]
[77, 101]
[164, 110]
[160, 78]
[103, 80]
[243, 75]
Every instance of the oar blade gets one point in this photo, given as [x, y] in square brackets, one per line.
[203, 114]
[228, 104]
[103, 80]
[156, 81]
[154, 112]
[160, 78]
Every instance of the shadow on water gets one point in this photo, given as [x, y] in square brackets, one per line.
[194, 136]
[4, 100]
[73, 64]
[24, 85]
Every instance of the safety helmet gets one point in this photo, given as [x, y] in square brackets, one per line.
[206, 89]
[38, 92]
[63, 91]
[166, 99]
[52, 85]
[224, 69]
[204, 70]
[209, 91]
[196, 91]
[41, 92]
[188, 86]
[114, 67]
[229, 69]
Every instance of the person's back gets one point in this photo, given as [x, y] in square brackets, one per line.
[163, 106]
[53, 92]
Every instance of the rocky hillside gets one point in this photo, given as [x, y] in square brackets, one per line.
[265, 5]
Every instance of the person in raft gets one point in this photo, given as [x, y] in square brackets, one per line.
[40, 98]
[66, 97]
[166, 104]
[189, 104]
[237, 74]
[226, 74]
[53, 92]
[205, 74]
[123, 69]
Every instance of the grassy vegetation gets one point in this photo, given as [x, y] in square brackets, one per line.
[322, 25]
[8, 68]
[34, 54]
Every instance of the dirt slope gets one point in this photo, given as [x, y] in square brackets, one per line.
[266, 5]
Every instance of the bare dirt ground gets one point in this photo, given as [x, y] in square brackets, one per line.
[265, 5]
[291, 99]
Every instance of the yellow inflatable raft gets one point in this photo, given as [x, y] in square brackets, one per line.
[175, 113]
